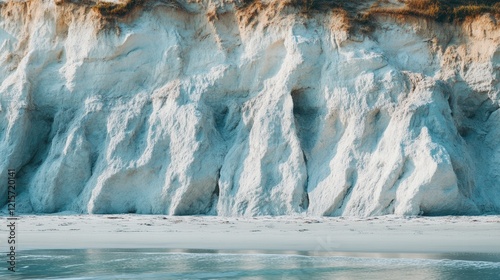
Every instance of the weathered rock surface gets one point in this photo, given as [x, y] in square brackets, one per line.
[176, 112]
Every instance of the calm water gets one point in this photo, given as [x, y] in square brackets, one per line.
[168, 264]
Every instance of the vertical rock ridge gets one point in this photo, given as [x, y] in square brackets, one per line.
[189, 108]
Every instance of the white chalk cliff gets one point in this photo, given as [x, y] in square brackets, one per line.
[199, 108]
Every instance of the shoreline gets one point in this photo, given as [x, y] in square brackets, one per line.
[320, 235]
[477, 257]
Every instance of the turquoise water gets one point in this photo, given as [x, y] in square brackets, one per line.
[195, 264]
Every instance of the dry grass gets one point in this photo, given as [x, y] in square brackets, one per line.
[309, 6]
[250, 10]
[462, 12]
[429, 8]
[356, 11]
[442, 10]
[314, 6]
[116, 9]
[359, 13]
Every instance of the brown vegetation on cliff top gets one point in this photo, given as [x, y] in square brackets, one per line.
[440, 10]
[117, 9]
[359, 11]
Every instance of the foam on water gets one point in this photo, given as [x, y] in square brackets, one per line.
[169, 264]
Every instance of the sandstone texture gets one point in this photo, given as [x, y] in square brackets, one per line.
[185, 108]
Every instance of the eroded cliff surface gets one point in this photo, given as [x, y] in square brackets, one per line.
[203, 108]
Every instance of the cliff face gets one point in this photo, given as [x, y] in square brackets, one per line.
[179, 108]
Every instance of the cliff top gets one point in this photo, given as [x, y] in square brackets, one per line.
[440, 10]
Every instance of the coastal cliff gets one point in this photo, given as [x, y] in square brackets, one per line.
[226, 108]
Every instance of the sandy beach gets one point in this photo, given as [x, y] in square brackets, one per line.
[387, 234]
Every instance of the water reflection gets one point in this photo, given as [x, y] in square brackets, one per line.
[213, 264]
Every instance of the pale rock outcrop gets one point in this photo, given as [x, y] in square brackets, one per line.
[172, 111]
